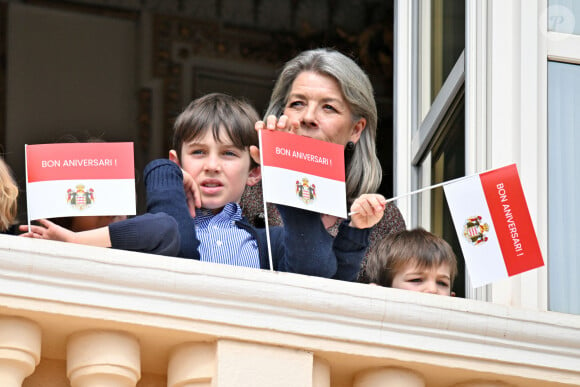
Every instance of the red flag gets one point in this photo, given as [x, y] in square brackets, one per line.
[303, 172]
[493, 225]
[80, 179]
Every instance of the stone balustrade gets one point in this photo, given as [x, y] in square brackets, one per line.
[103, 358]
[82, 316]
[19, 349]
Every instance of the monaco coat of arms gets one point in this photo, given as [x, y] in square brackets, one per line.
[305, 191]
[80, 198]
[474, 230]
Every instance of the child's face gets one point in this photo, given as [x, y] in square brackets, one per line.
[434, 280]
[220, 169]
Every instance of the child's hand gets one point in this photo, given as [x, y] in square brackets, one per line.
[192, 193]
[48, 230]
[367, 210]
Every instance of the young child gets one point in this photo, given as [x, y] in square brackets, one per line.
[414, 260]
[211, 159]
[200, 187]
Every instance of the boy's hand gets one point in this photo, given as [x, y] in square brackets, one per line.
[48, 230]
[367, 210]
[192, 193]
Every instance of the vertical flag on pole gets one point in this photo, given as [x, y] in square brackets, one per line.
[80, 179]
[303, 172]
[493, 225]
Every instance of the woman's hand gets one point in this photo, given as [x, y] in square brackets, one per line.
[271, 123]
[48, 230]
[192, 193]
[367, 210]
[274, 123]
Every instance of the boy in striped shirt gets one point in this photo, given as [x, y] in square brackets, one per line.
[203, 181]
[196, 191]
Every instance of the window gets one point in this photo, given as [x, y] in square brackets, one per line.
[563, 186]
[564, 16]
[563, 160]
[448, 163]
[438, 144]
[447, 40]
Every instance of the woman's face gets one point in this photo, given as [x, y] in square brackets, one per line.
[316, 108]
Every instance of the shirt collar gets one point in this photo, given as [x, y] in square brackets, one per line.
[230, 212]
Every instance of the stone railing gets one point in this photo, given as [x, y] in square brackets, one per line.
[83, 316]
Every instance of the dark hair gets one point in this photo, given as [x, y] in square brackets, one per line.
[396, 250]
[220, 113]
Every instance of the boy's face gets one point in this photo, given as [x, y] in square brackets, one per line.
[436, 279]
[220, 169]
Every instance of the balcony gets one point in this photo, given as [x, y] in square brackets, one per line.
[74, 315]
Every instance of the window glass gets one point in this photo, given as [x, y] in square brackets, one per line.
[563, 187]
[447, 39]
[564, 16]
[449, 163]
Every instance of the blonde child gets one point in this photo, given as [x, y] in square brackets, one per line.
[413, 260]
[8, 197]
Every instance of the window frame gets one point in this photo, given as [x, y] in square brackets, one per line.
[506, 59]
[563, 48]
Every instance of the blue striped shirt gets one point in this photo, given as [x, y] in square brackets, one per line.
[221, 241]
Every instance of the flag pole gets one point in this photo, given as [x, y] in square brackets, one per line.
[27, 190]
[432, 187]
[428, 188]
[265, 208]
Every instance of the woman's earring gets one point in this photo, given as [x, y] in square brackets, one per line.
[348, 151]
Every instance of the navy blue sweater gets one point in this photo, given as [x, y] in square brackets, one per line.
[148, 233]
[302, 245]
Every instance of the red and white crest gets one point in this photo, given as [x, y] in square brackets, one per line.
[305, 191]
[81, 198]
[474, 230]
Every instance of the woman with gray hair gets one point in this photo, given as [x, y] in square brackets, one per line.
[325, 95]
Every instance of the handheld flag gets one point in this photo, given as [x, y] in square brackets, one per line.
[493, 225]
[80, 179]
[303, 172]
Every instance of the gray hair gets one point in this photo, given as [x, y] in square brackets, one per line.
[364, 173]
